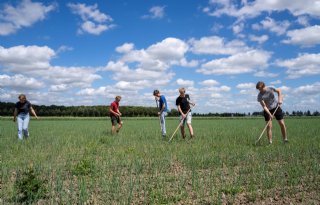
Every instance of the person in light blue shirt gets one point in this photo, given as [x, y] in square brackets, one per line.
[163, 109]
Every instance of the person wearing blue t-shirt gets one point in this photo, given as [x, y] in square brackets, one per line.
[163, 109]
[22, 109]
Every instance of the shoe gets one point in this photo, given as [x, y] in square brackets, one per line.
[285, 140]
[270, 142]
[192, 136]
[183, 136]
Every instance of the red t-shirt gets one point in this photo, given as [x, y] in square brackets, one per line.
[114, 106]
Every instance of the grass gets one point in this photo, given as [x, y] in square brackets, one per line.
[81, 163]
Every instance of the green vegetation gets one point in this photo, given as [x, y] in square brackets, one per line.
[79, 162]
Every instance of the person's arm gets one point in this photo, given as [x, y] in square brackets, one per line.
[119, 113]
[264, 106]
[33, 112]
[15, 113]
[180, 111]
[113, 112]
[280, 97]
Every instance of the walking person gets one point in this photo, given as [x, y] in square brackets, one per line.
[184, 109]
[269, 104]
[115, 115]
[163, 108]
[21, 111]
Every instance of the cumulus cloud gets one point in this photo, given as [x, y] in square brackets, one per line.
[309, 89]
[246, 86]
[209, 83]
[239, 63]
[259, 39]
[264, 74]
[93, 21]
[20, 82]
[306, 37]
[216, 45]
[270, 24]
[243, 9]
[304, 65]
[155, 12]
[23, 59]
[125, 48]
[186, 83]
[151, 64]
[24, 14]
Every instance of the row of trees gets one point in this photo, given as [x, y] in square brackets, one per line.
[6, 109]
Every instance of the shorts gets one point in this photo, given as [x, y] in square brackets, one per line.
[115, 120]
[187, 119]
[279, 114]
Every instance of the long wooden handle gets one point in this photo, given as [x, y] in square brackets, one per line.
[267, 124]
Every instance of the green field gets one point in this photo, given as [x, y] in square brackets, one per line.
[77, 161]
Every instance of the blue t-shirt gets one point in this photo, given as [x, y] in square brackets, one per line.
[162, 101]
[23, 108]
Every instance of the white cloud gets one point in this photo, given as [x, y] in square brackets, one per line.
[244, 62]
[25, 14]
[137, 85]
[152, 63]
[20, 82]
[59, 88]
[303, 20]
[238, 28]
[216, 45]
[307, 37]
[265, 74]
[155, 12]
[310, 89]
[64, 48]
[255, 8]
[259, 39]
[275, 82]
[93, 21]
[125, 48]
[209, 83]
[216, 27]
[270, 24]
[26, 58]
[186, 83]
[246, 86]
[304, 65]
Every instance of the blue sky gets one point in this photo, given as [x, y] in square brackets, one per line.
[87, 52]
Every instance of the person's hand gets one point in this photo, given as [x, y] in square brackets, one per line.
[280, 102]
[159, 113]
[119, 114]
[271, 117]
[37, 117]
[183, 116]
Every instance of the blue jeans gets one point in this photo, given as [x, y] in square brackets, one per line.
[23, 123]
[163, 123]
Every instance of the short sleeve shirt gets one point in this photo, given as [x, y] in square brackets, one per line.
[23, 108]
[184, 103]
[114, 106]
[162, 101]
[268, 97]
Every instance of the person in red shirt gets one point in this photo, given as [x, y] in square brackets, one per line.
[115, 115]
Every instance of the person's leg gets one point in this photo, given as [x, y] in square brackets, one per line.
[163, 124]
[269, 131]
[283, 130]
[119, 124]
[189, 118]
[20, 125]
[25, 126]
[113, 125]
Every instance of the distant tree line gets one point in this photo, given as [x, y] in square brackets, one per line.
[7, 108]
